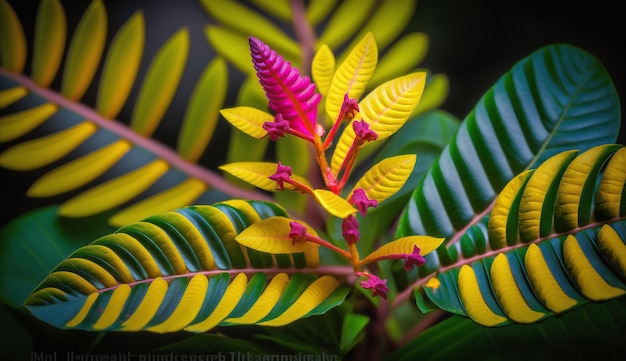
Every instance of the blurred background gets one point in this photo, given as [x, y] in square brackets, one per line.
[473, 42]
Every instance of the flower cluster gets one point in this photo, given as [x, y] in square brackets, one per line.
[294, 101]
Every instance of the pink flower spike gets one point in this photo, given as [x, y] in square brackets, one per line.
[363, 131]
[349, 107]
[283, 174]
[277, 128]
[377, 285]
[360, 200]
[287, 92]
[414, 259]
[350, 229]
[298, 232]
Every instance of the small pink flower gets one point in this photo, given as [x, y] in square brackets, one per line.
[349, 107]
[350, 229]
[360, 200]
[277, 128]
[298, 232]
[283, 174]
[363, 131]
[377, 285]
[414, 259]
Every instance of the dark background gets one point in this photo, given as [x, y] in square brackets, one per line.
[473, 42]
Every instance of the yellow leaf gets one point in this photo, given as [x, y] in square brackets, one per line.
[386, 177]
[257, 173]
[386, 31]
[318, 10]
[323, 68]
[345, 21]
[11, 95]
[333, 203]
[85, 51]
[78, 172]
[16, 124]
[612, 186]
[388, 107]
[280, 9]
[12, 39]
[38, 152]
[202, 112]
[385, 109]
[271, 235]
[405, 245]
[535, 220]
[160, 84]
[120, 66]
[502, 223]
[180, 195]
[247, 21]
[50, 33]
[352, 75]
[114, 192]
[472, 298]
[248, 119]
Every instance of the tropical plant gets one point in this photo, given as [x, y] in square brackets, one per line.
[515, 217]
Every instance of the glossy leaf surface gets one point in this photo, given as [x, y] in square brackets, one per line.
[183, 270]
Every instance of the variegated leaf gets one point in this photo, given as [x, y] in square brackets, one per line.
[551, 248]
[183, 270]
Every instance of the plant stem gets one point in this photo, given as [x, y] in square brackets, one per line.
[304, 34]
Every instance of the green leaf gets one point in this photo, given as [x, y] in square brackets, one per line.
[183, 270]
[598, 326]
[160, 83]
[526, 117]
[50, 33]
[541, 272]
[353, 330]
[32, 244]
[202, 112]
[85, 51]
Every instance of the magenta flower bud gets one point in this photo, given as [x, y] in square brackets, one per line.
[363, 131]
[377, 285]
[414, 259]
[360, 200]
[277, 128]
[350, 229]
[298, 231]
[283, 174]
[288, 93]
[349, 107]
